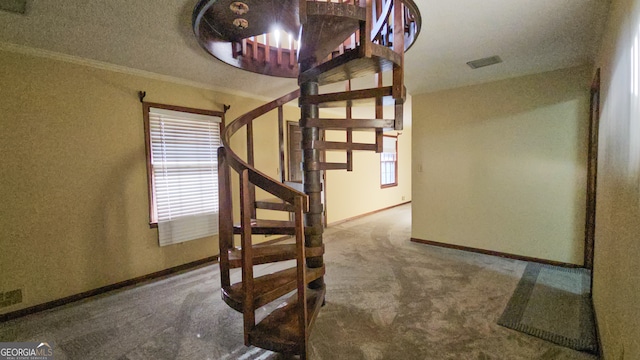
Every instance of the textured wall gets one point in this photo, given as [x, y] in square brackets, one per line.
[616, 291]
[501, 166]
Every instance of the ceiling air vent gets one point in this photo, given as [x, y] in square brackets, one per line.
[484, 62]
[14, 6]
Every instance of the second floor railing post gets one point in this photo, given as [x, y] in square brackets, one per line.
[246, 208]
[251, 161]
[398, 70]
[281, 142]
[225, 217]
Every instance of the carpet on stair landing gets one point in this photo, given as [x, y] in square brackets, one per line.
[554, 304]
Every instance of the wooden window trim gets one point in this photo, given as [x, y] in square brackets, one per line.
[394, 184]
[153, 222]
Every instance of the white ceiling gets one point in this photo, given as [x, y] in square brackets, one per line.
[531, 36]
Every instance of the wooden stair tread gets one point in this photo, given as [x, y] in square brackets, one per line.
[337, 146]
[356, 124]
[268, 227]
[264, 254]
[268, 288]
[279, 331]
[326, 166]
[353, 97]
[342, 18]
[274, 204]
[352, 64]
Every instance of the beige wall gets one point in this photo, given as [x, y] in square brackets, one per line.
[501, 166]
[616, 292]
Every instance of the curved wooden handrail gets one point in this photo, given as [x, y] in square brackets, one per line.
[246, 118]
[257, 177]
[376, 29]
[417, 18]
[387, 9]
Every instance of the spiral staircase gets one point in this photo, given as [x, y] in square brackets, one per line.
[336, 41]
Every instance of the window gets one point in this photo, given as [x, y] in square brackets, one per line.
[389, 161]
[182, 168]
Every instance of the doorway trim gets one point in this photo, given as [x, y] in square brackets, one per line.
[592, 171]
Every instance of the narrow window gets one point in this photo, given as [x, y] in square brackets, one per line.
[389, 161]
[182, 169]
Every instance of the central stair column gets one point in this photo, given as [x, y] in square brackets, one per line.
[312, 179]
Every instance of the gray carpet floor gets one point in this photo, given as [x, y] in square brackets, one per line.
[387, 298]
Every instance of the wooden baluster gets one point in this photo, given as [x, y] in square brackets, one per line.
[349, 130]
[246, 208]
[365, 30]
[407, 21]
[292, 56]
[250, 161]
[279, 50]
[379, 113]
[225, 216]
[267, 49]
[255, 47]
[250, 157]
[281, 141]
[398, 27]
[301, 270]
[379, 38]
[234, 49]
[398, 70]
[244, 47]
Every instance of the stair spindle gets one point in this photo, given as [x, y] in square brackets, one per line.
[254, 40]
[225, 218]
[301, 269]
[398, 70]
[246, 210]
[267, 49]
[251, 161]
[379, 110]
[292, 52]
[349, 131]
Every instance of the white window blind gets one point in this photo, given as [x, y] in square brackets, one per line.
[184, 167]
[388, 160]
[389, 144]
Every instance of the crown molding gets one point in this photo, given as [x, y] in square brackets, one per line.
[52, 55]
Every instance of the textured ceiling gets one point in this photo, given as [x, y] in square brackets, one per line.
[156, 36]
